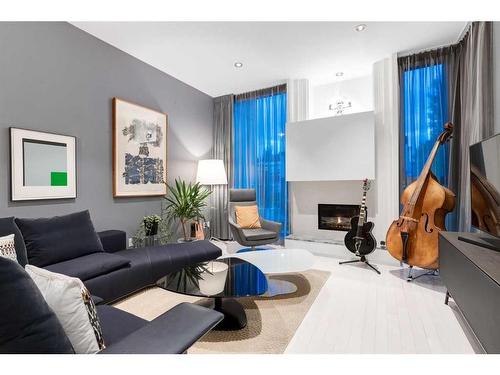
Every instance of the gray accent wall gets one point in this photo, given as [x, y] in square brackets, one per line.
[55, 77]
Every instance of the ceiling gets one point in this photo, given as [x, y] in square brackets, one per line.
[202, 54]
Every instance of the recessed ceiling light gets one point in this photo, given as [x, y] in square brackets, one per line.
[339, 74]
[238, 64]
[360, 27]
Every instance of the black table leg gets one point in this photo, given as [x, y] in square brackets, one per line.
[234, 314]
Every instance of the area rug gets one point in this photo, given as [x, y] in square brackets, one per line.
[272, 322]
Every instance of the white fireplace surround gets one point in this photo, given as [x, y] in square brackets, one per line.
[331, 149]
[345, 188]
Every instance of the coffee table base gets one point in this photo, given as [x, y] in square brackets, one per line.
[234, 314]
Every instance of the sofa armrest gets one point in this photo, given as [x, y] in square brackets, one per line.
[273, 226]
[113, 240]
[173, 332]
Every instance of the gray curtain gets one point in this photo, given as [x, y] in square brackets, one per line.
[469, 74]
[222, 149]
[471, 110]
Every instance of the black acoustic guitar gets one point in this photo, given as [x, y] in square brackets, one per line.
[359, 240]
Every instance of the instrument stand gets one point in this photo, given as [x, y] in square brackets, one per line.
[361, 259]
[447, 298]
[410, 277]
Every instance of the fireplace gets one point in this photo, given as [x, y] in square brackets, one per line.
[336, 216]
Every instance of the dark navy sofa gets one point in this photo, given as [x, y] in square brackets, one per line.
[144, 266]
[69, 245]
[29, 326]
[110, 271]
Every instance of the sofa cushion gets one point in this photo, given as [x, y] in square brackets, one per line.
[8, 226]
[116, 324]
[73, 306]
[119, 283]
[56, 239]
[27, 323]
[89, 266]
[259, 234]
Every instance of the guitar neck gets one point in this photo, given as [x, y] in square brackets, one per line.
[362, 214]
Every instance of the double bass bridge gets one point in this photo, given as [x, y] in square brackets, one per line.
[409, 218]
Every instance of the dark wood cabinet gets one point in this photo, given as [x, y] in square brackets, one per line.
[472, 276]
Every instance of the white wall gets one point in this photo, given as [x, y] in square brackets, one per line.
[358, 91]
[331, 148]
[496, 73]
[305, 196]
[379, 93]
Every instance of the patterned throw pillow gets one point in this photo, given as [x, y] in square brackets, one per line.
[7, 247]
[93, 317]
[76, 311]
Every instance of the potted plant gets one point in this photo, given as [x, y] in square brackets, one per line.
[153, 230]
[185, 202]
[151, 224]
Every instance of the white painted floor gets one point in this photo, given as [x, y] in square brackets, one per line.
[359, 311]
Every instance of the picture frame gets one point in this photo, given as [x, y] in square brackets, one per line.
[42, 165]
[139, 150]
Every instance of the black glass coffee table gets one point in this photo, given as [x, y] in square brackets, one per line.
[223, 280]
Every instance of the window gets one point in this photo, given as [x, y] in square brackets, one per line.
[424, 112]
[259, 151]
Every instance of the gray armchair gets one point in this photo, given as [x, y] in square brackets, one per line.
[270, 231]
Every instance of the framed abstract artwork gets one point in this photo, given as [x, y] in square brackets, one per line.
[139, 150]
[42, 165]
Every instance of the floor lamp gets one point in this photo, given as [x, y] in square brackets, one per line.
[211, 172]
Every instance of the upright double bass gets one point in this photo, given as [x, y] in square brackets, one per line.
[413, 237]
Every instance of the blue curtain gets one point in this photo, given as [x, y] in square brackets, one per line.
[259, 152]
[425, 111]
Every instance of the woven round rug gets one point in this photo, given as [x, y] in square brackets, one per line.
[272, 321]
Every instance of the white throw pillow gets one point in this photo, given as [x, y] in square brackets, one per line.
[72, 304]
[7, 247]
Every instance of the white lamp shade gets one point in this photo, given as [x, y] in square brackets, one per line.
[211, 172]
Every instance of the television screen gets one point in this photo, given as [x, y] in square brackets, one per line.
[485, 185]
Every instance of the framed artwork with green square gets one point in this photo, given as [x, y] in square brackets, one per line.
[43, 165]
[139, 150]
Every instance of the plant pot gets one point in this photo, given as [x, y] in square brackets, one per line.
[153, 230]
[197, 230]
[213, 283]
